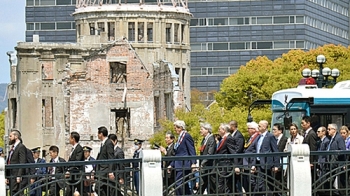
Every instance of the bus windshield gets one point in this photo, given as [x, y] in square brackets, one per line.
[277, 117]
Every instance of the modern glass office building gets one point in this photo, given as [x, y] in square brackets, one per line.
[225, 34]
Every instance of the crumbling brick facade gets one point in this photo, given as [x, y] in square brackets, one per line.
[126, 86]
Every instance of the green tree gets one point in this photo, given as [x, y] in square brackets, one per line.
[258, 79]
[261, 77]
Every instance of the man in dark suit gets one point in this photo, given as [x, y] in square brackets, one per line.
[277, 131]
[281, 140]
[337, 160]
[104, 171]
[17, 155]
[266, 143]
[56, 173]
[169, 178]
[89, 171]
[249, 179]
[119, 167]
[208, 147]
[310, 138]
[321, 162]
[183, 147]
[76, 154]
[225, 146]
[239, 147]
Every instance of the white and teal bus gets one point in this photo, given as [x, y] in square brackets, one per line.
[324, 105]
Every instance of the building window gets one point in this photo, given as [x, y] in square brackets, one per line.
[64, 25]
[300, 19]
[194, 22]
[220, 46]
[47, 112]
[176, 33]
[47, 26]
[220, 21]
[236, 21]
[47, 2]
[281, 44]
[140, 31]
[120, 118]
[168, 106]
[150, 32]
[13, 105]
[237, 46]
[220, 70]
[168, 33]
[157, 110]
[182, 33]
[100, 27]
[202, 22]
[117, 72]
[281, 19]
[300, 44]
[111, 31]
[131, 31]
[78, 29]
[64, 2]
[30, 3]
[264, 45]
[264, 20]
[30, 26]
[92, 28]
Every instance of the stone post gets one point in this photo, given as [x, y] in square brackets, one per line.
[300, 172]
[151, 183]
[2, 177]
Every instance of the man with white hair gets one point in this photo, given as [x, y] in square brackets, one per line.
[266, 143]
[249, 182]
[335, 160]
[208, 147]
[225, 146]
[183, 147]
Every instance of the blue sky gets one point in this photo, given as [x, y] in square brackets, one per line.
[12, 30]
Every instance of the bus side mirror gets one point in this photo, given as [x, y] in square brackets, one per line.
[287, 121]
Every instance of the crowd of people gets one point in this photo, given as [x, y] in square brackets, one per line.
[103, 179]
[251, 172]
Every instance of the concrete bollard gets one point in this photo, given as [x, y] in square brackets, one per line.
[2, 177]
[151, 183]
[300, 172]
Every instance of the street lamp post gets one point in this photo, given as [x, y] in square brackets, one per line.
[322, 74]
[320, 79]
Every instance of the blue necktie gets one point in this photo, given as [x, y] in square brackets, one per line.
[329, 145]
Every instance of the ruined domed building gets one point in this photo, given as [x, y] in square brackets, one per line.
[129, 68]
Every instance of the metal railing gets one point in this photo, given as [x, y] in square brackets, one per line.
[62, 183]
[329, 173]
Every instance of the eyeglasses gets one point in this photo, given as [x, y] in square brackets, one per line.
[330, 129]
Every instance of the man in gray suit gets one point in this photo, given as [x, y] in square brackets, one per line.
[335, 160]
[266, 143]
[208, 147]
[104, 171]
